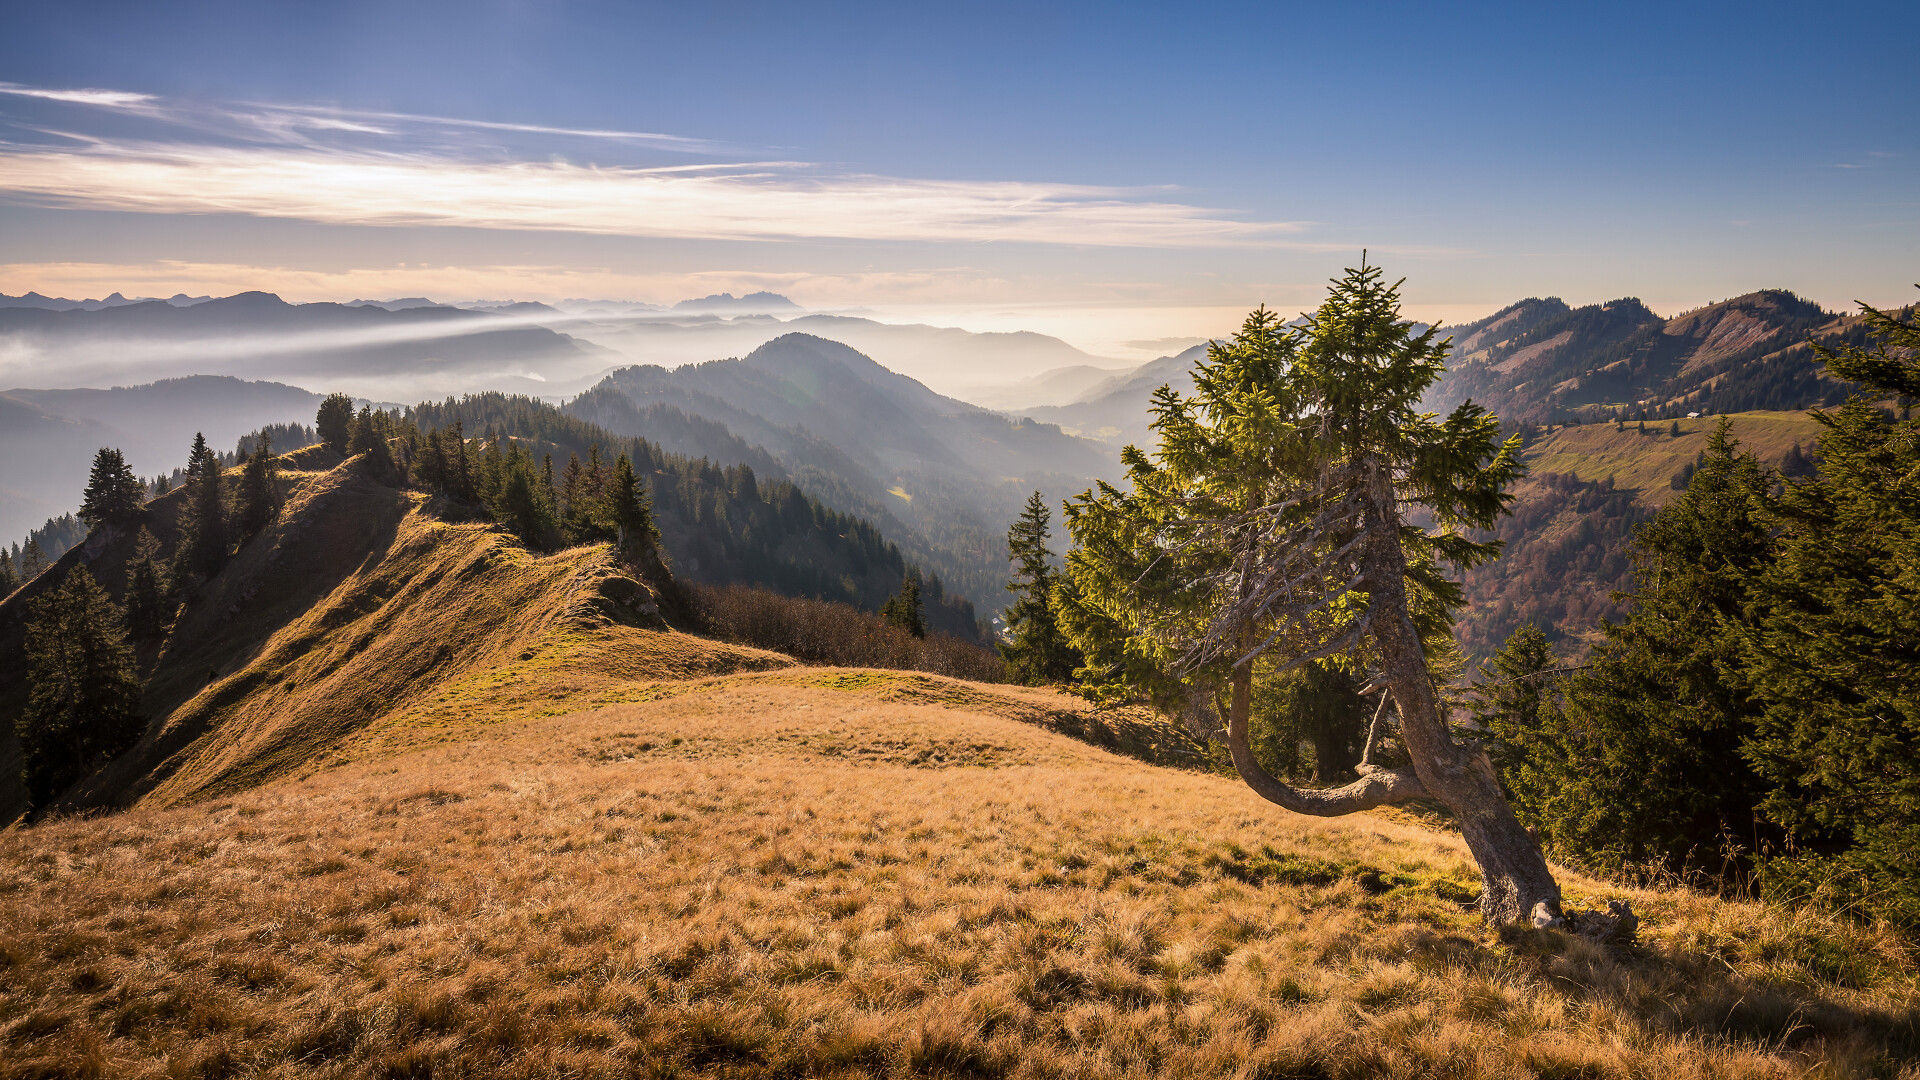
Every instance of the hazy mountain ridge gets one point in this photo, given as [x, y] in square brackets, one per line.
[48, 437]
[372, 351]
[1116, 410]
[954, 472]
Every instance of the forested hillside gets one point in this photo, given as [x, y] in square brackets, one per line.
[869, 441]
[720, 524]
[1573, 518]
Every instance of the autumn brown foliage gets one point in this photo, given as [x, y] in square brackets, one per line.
[826, 632]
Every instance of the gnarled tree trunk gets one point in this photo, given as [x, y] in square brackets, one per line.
[1516, 885]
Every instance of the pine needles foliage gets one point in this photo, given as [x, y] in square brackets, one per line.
[83, 694]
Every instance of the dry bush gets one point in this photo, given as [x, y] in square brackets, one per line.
[826, 632]
[757, 877]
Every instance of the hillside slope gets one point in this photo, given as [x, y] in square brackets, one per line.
[1572, 518]
[843, 873]
[1540, 362]
[357, 602]
[861, 435]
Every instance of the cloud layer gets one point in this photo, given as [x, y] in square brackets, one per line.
[341, 167]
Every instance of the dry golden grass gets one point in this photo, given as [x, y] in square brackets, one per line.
[1646, 461]
[821, 873]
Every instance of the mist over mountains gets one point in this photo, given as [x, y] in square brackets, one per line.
[841, 405]
[414, 347]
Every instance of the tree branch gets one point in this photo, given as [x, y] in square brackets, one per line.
[1378, 787]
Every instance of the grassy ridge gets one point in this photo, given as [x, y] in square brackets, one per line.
[826, 872]
[1646, 462]
[360, 602]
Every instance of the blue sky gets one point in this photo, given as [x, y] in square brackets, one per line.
[1105, 171]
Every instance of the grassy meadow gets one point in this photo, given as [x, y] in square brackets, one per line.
[821, 872]
[1646, 461]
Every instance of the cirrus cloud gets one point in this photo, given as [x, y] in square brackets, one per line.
[730, 201]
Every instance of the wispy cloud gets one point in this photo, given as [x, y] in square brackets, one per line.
[110, 99]
[345, 167]
[750, 202]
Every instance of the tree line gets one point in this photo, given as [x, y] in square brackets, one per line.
[1754, 723]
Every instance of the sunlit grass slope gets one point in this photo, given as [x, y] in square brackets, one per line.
[361, 602]
[1647, 461]
[814, 872]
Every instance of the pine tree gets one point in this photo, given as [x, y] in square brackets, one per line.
[203, 520]
[9, 577]
[33, 560]
[903, 609]
[1832, 664]
[630, 510]
[1036, 650]
[522, 503]
[334, 423]
[259, 490]
[575, 514]
[113, 493]
[83, 696]
[1646, 763]
[1271, 526]
[370, 438]
[147, 614]
[460, 479]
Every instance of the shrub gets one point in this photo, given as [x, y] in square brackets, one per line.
[826, 632]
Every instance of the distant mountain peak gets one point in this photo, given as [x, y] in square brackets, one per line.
[752, 303]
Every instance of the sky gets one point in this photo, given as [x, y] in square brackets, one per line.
[1126, 176]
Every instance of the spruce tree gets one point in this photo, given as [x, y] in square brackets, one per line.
[903, 609]
[1832, 665]
[630, 510]
[1036, 650]
[33, 560]
[334, 423]
[259, 490]
[1646, 763]
[370, 438]
[203, 520]
[1276, 523]
[523, 504]
[575, 514]
[9, 577]
[83, 696]
[147, 614]
[460, 479]
[113, 494]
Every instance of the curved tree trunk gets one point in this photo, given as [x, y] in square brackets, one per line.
[1514, 875]
[1516, 885]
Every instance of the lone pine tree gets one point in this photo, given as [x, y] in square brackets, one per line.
[904, 609]
[113, 494]
[1272, 522]
[82, 697]
[334, 422]
[203, 520]
[1036, 650]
